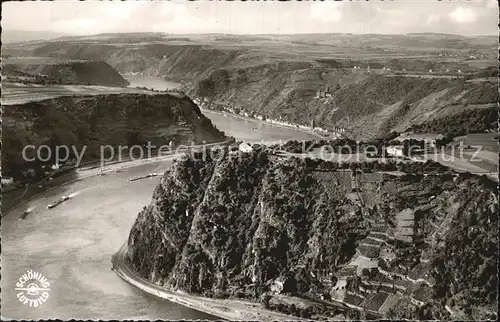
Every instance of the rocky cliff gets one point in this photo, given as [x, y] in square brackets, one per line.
[250, 225]
[101, 120]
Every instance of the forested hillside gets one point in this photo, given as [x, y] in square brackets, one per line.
[250, 225]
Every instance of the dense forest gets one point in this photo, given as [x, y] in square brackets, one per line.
[468, 121]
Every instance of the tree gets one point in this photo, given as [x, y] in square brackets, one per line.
[134, 138]
[265, 299]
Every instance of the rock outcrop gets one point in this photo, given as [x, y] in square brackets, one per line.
[250, 224]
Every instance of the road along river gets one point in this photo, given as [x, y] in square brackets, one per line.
[72, 244]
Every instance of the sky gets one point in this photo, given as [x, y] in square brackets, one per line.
[476, 17]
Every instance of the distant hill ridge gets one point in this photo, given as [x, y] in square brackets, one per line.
[69, 72]
[20, 36]
[281, 75]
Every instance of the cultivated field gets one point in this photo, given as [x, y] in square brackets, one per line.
[16, 93]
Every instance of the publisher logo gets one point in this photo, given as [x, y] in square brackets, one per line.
[33, 289]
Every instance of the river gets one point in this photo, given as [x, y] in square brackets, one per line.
[72, 244]
[255, 131]
[241, 128]
[150, 82]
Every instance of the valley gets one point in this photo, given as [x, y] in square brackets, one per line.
[111, 202]
[368, 85]
[251, 226]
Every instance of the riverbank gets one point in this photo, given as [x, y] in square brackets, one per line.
[232, 310]
[88, 170]
[72, 244]
[83, 174]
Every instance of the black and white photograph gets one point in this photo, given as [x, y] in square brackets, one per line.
[249, 160]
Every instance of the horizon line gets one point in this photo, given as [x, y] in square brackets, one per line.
[253, 34]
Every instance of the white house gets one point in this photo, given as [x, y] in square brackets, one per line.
[416, 302]
[6, 181]
[245, 147]
[395, 150]
[428, 138]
